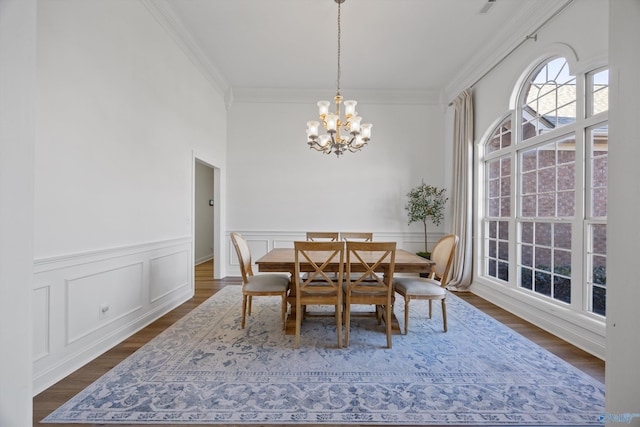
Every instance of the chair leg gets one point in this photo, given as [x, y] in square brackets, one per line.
[250, 300]
[284, 311]
[298, 323]
[347, 323]
[339, 323]
[244, 309]
[444, 314]
[387, 322]
[430, 308]
[406, 315]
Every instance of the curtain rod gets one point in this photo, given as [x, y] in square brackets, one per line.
[533, 36]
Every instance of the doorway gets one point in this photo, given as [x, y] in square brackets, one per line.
[204, 214]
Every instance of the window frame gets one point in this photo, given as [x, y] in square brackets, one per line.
[483, 173]
[584, 120]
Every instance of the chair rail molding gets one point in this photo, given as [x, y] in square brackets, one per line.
[66, 260]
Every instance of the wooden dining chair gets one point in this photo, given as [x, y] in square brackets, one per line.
[433, 287]
[322, 236]
[319, 287]
[356, 236]
[268, 284]
[364, 283]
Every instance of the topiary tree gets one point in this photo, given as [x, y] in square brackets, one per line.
[426, 202]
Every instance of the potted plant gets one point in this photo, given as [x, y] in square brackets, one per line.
[426, 202]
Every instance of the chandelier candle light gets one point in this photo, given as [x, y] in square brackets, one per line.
[356, 134]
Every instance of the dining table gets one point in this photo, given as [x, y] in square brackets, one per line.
[282, 260]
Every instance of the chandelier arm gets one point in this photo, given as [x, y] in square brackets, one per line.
[315, 146]
[355, 149]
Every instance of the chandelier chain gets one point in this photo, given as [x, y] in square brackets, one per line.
[339, 36]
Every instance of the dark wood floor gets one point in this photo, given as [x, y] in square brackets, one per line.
[50, 399]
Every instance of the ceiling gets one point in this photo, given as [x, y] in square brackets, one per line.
[399, 45]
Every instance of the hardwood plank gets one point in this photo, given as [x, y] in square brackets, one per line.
[50, 399]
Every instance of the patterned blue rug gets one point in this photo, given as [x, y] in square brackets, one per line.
[206, 370]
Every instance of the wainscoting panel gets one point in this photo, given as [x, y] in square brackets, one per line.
[86, 303]
[98, 299]
[283, 244]
[41, 321]
[262, 242]
[258, 247]
[168, 273]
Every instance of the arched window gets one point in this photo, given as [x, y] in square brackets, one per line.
[545, 190]
[549, 100]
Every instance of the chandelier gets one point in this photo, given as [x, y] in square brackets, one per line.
[342, 133]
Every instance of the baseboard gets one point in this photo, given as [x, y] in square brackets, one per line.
[204, 259]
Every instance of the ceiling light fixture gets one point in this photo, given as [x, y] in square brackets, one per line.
[356, 135]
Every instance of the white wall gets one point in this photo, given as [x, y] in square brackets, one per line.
[570, 32]
[203, 213]
[17, 139]
[623, 293]
[280, 188]
[121, 111]
[585, 45]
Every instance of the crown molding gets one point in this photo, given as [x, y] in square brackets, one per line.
[528, 19]
[305, 96]
[519, 27]
[162, 12]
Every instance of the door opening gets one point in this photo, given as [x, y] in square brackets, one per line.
[204, 214]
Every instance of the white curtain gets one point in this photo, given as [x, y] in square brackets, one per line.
[462, 190]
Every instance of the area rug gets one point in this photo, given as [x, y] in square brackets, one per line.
[205, 369]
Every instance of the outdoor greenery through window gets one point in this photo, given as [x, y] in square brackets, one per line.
[545, 192]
